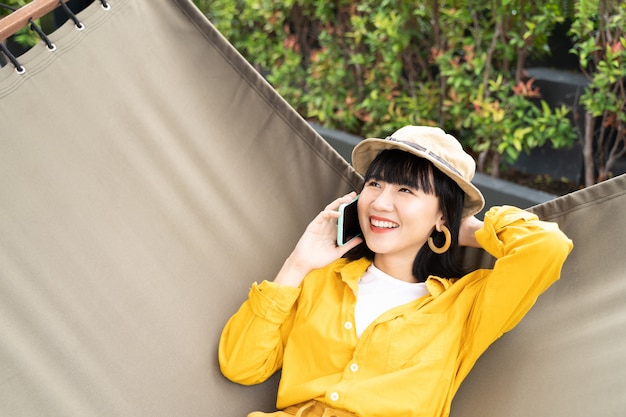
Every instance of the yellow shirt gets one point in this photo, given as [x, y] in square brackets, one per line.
[411, 360]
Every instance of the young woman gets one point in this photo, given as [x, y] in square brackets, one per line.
[393, 326]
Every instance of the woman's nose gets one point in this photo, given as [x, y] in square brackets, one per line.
[384, 200]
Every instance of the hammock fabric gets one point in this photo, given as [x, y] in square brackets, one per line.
[148, 175]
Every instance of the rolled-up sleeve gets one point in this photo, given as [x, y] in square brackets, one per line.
[252, 342]
[530, 254]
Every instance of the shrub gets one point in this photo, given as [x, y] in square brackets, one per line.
[599, 32]
[487, 97]
[368, 67]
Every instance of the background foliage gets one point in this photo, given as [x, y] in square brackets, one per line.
[369, 67]
[599, 33]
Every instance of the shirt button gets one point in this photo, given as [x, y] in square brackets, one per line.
[334, 396]
[347, 325]
[354, 367]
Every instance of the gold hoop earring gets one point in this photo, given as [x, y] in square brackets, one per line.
[446, 246]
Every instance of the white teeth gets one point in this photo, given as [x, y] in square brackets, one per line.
[385, 225]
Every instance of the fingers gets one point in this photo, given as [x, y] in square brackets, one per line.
[331, 211]
[317, 246]
[351, 245]
[341, 200]
[326, 216]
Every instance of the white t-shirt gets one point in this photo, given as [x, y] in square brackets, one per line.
[379, 292]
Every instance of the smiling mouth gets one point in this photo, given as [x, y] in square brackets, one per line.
[383, 224]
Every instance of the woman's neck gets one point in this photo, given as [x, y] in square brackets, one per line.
[398, 268]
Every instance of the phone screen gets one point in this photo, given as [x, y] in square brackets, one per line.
[348, 224]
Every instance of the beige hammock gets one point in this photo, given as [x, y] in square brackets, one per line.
[148, 175]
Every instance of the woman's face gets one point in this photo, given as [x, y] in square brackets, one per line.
[396, 219]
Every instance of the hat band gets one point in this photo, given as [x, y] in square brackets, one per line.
[426, 151]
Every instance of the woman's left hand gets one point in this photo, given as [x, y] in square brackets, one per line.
[467, 232]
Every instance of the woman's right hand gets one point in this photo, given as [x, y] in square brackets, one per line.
[317, 246]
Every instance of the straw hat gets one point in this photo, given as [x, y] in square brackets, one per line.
[433, 144]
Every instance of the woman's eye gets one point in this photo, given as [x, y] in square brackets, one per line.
[405, 190]
[372, 183]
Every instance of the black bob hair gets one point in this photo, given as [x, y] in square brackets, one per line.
[403, 168]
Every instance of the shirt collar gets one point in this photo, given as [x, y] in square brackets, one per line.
[437, 285]
[351, 272]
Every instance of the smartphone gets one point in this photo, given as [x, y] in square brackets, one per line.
[348, 224]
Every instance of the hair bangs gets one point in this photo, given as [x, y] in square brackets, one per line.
[402, 168]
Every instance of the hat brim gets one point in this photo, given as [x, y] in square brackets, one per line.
[367, 150]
